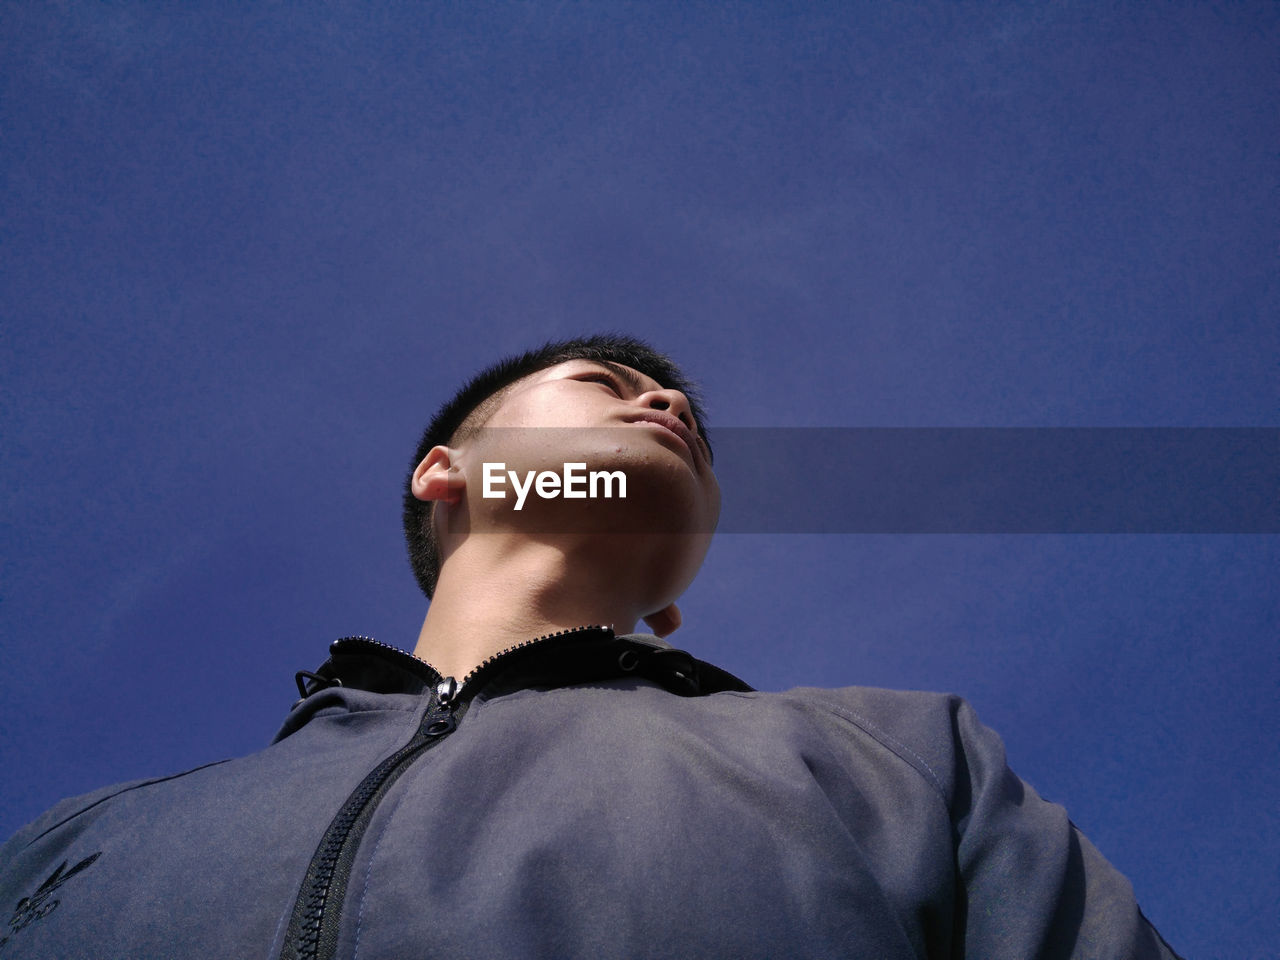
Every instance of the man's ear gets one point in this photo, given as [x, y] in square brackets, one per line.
[436, 478]
[664, 622]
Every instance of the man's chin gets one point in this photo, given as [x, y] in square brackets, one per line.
[603, 519]
[629, 493]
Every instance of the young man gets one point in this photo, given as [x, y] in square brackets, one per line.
[540, 781]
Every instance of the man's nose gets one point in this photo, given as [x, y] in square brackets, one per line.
[672, 401]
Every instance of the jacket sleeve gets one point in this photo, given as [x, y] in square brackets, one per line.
[1031, 885]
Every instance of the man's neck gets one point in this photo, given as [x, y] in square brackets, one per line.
[496, 592]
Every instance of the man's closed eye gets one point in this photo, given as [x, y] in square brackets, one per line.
[602, 377]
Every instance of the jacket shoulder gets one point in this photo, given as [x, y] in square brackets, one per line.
[68, 809]
[929, 731]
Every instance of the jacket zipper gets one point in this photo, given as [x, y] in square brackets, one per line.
[313, 926]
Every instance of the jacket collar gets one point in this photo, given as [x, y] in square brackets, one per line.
[580, 655]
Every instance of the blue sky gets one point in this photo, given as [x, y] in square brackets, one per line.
[248, 252]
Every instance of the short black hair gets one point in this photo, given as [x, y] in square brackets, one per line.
[472, 406]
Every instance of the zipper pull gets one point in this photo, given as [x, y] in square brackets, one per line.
[440, 719]
[446, 690]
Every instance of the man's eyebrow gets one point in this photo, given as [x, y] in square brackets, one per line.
[629, 378]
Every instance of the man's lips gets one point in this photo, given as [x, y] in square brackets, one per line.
[672, 423]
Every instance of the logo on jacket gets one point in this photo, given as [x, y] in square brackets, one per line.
[40, 904]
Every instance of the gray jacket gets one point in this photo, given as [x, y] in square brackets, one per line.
[584, 795]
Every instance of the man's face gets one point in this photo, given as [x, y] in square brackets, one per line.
[611, 418]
